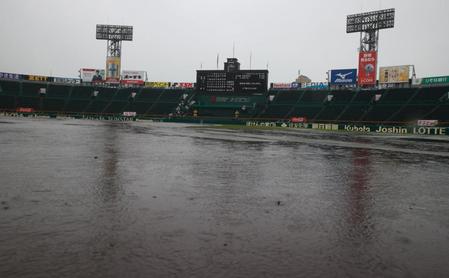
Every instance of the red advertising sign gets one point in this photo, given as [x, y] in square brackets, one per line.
[186, 85]
[297, 120]
[133, 82]
[367, 68]
[25, 110]
[427, 122]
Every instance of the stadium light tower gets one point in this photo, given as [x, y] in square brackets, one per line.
[368, 25]
[114, 34]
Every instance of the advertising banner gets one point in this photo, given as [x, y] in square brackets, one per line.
[182, 85]
[344, 77]
[6, 75]
[281, 86]
[38, 78]
[398, 74]
[133, 77]
[161, 85]
[298, 120]
[441, 80]
[66, 80]
[92, 75]
[315, 85]
[129, 114]
[367, 68]
[113, 69]
[376, 129]
[25, 110]
[427, 122]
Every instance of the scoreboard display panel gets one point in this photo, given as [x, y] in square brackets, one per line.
[251, 81]
[242, 81]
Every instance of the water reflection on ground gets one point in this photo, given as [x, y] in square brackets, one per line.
[104, 199]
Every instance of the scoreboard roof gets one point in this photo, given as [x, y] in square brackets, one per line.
[114, 32]
[370, 21]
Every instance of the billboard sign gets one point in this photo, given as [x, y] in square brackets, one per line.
[398, 74]
[129, 114]
[161, 85]
[344, 77]
[133, 77]
[67, 80]
[92, 75]
[427, 122]
[113, 69]
[440, 80]
[25, 110]
[298, 120]
[281, 86]
[6, 75]
[315, 85]
[367, 68]
[38, 78]
[182, 85]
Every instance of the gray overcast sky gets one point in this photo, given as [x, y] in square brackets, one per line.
[173, 37]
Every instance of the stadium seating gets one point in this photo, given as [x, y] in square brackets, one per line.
[431, 95]
[9, 88]
[97, 106]
[353, 113]
[105, 94]
[329, 113]
[399, 105]
[308, 112]
[7, 102]
[440, 113]
[276, 111]
[82, 92]
[58, 91]
[287, 97]
[53, 104]
[32, 89]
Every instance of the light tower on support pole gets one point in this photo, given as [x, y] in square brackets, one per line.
[368, 25]
[114, 34]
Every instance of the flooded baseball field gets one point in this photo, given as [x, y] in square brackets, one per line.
[82, 198]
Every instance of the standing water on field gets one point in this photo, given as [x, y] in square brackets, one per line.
[83, 198]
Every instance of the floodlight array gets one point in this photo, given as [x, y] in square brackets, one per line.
[371, 21]
[114, 32]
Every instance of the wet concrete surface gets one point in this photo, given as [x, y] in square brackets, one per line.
[104, 199]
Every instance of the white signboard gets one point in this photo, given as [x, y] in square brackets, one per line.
[92, 75]
[133, 77]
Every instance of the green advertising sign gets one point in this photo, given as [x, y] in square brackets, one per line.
[377, 129]
[435, 80]
[230, 101]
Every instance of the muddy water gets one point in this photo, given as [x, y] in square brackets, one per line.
[103, 199]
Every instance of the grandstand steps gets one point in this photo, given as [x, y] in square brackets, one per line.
[290, 112]
[403, 106]
[346, 107]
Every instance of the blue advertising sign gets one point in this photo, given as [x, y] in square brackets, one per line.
[315, 85]
[344, 77]
[6, 75]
